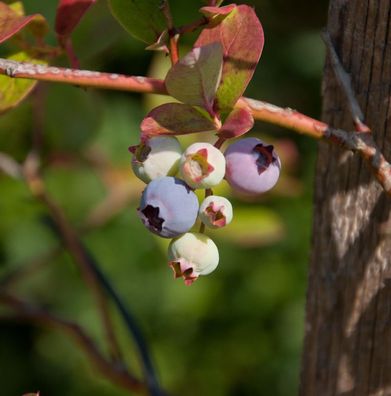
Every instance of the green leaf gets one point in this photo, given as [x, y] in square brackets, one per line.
[195, 78]
[14, 90]
[143, 19]
[174, 119]
[241, 36]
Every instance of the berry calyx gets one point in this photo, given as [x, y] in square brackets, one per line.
[202, 165]
[215, 211]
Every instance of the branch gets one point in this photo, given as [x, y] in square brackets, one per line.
[84, 78]
[36, 185]
[28, 312]
[93, 276]
[130, 322]
[361, 143]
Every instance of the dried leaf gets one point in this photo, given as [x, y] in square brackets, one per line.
[69, 14]
[238, 122]
[143, 19]
[14, 90]
[241, 36]
[195, 78]
[174, 119]
[12, 21]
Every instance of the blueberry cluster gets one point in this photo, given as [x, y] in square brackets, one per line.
[169, 207]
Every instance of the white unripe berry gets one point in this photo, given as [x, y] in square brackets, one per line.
[158, 157]
[192, 255]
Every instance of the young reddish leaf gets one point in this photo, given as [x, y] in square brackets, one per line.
[12, 21]
[195, 78]
[174, 119]
[143, 19]
[69, 14]
[241, 36]
[14, 90]
[216, 14]
[238, 122]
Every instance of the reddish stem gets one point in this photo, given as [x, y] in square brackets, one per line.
[262, 111]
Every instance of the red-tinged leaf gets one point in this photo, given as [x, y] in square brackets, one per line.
[174, 119]
[216, 14]
[69, 14]
[14, 90]
[12, 21]
[195, 78]
[241, 36]
[239, 122]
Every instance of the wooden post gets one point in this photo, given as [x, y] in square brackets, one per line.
[347, 348]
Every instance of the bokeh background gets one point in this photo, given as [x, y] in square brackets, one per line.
[236, 332]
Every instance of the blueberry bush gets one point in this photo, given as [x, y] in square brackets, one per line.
[179, 149]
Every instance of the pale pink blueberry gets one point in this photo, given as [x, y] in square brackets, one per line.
[192, 255]
[202, 165]
[215, 211]
[253, 166]
[158, 157]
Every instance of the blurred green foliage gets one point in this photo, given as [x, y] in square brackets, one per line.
[236, 332]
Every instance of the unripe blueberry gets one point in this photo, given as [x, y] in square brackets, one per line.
[202, 165]
[192, 255]
[168, 207]
[215, 211]
[158, 157]
[253, 166]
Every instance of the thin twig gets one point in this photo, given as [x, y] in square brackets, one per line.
[172, 32]
[37, 188]
[262, 111]
[131, 324]
[191, 27]
[27, 312]
[345, 81]
[82, 78]
[22, 271]
[67, 45]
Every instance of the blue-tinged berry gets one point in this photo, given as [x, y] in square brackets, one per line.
[168, 207]
[253, 166]
[158, 157]
[192, 255]
[202, 165]
[215, 211]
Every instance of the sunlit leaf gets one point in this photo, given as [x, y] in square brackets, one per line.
[195, 78]
[14, 90]
[241, 36]
[174, 119]
[143, 19]
[238, 122]
[12, 21]
[69, 14]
